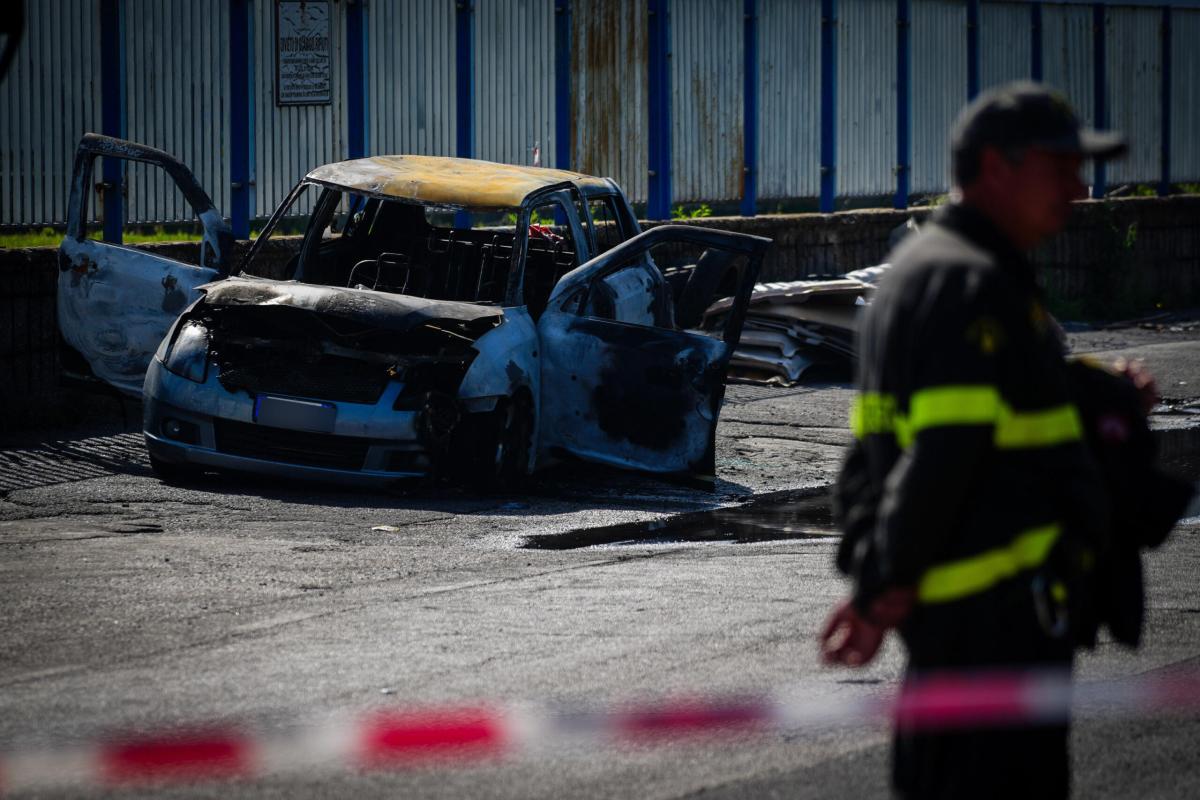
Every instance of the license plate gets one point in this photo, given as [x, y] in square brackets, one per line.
[302, 415]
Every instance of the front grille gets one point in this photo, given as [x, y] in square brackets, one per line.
[292, 447]
[327, 378]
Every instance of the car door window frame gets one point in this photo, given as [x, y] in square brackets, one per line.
[216, 246]
[515, 293]
[569, 289]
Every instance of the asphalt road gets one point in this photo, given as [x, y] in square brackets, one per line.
[133, 604]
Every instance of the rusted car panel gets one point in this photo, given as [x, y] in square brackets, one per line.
[115, 303]
[456, 182]
[409, 343]
[114, 306]
[638, 392]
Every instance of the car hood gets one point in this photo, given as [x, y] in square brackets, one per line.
[378, 309]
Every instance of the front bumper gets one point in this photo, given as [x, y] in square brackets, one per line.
[205, 425]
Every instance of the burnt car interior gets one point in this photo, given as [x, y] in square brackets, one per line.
[412, 249]
[669, 286]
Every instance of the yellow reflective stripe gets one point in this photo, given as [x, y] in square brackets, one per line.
[945, 406]
[872, 412]
[1044, 428]
[958, 579]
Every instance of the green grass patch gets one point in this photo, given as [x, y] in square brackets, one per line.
[49, 237]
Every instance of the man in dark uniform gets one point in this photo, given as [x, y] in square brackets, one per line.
[970, 501]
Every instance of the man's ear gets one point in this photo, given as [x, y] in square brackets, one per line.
[993, 167]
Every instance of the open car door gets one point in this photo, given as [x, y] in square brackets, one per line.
[115, 303]
[622, 382]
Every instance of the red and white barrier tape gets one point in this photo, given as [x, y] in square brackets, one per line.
[398, 739]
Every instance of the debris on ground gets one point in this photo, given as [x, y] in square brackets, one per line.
[795, 326]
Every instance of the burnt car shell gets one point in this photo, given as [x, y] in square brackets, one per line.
[411, 342]
[316, 381]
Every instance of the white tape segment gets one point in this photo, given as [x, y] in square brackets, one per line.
[468, 734]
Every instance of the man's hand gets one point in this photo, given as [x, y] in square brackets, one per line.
[1136, 372]
[848, 638]
[851, 639]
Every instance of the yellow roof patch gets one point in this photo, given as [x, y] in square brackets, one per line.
[437, 180]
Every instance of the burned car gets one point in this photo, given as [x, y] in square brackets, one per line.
[441, 316]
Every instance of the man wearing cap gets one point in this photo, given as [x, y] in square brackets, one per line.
[969, 501]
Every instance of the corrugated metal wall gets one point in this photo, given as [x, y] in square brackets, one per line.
[1067, 58]
[410, 77]
[789, 99]
[1067, 55]
[609, 126]
[176, 99]
[177, 93]
[866, 98]
[1185, 96]
[1005, 43]
[707, 157]
[939, 90]
[514, 80]
[1133, 59]
[49, 99]
[291, 140]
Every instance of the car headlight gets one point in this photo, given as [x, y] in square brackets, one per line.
[188, 354]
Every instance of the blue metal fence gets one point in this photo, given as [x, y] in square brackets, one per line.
[823, 100]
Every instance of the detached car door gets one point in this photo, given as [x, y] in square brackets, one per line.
[115, 303]
[621, 383]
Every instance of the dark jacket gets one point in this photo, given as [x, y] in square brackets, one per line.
[970, 478]
[1146, 502]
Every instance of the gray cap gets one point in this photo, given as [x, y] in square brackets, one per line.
[1025, 114]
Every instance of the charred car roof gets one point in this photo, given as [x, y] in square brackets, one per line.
[443, 181]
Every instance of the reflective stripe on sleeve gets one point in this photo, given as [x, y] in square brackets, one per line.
[949, 406]
[872, 412]
[958, 579]
[943, 406]
[1044, 428]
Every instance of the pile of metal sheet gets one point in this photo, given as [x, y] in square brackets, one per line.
[794, 327]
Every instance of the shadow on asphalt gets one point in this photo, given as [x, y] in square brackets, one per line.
[802, 514]
[584, 486]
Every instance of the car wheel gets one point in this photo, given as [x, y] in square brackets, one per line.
[503, 460]
[169, 472]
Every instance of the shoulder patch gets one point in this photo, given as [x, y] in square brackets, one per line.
[986, 334]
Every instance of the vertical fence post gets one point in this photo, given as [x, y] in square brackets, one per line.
[828, 104]
[464, 59]
[112, 104]
[1099, 89]
[239, 117]
[1164, 183]
[659, 97]
[1036, 69]
[750, 108]
[464, 66]
[562, 84]
[356, 78]
[972, 49]
[903, 102]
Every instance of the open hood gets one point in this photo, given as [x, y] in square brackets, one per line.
[394, 312]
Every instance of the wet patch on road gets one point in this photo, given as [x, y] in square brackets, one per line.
[794, 516]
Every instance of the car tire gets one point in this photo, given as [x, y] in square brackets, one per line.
[170, 472]
[502, 462]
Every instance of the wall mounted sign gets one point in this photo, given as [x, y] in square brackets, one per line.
[303, 53]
